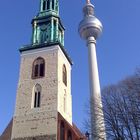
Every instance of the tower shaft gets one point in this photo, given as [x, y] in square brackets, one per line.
[93, 67]
[97, 120]
[44, 87]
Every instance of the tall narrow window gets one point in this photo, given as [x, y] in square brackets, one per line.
[44, 5]
[41, 69]
[35, 99]
[53, 4]
[69, 135]
[64, 75]
[62, 131]
[55, 29]
[65, 103]
[38, 68]
[37, 96]
[48, 4]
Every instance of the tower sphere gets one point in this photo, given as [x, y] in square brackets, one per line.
[90, 26]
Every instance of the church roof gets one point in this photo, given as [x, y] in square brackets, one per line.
[6, 135]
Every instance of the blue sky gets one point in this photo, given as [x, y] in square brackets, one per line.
[118, 49]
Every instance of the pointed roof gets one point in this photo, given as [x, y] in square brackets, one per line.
[6, 135]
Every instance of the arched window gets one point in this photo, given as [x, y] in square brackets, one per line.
[38, 69]
[69, 135]
[48, 4]
[64, 75]
[53, 4]
[44, 5]
[62, 131]
[37, 96]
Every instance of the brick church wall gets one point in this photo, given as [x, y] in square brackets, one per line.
[45, 137]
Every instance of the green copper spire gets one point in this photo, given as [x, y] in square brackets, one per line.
[47, 26]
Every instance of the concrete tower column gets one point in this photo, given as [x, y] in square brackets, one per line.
[93, 67]
[89, 29]
[97, 120]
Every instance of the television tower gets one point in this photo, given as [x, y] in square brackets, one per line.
[89, 29]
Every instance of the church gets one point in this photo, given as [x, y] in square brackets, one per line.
[43, 109]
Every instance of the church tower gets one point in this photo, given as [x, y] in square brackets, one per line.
[44, 102]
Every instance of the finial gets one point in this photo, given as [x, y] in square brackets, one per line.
[88, 1]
